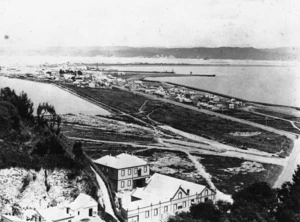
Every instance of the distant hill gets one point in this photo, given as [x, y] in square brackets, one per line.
[150, 52]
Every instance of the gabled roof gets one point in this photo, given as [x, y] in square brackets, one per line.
[54, 214]
[13, 218]
[120, 161]
[161, 188]
[82, 201]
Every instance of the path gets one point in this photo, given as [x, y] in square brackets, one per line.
[267, 128]
[105, 197]
[293, 161]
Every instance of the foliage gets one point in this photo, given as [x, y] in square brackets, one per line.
[256, 203]
[206, 212]
[22, 103]
[77, 150]
[289, 200]
[47, 116]
[9, 118]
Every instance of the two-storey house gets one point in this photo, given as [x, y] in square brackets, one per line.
[124, 171]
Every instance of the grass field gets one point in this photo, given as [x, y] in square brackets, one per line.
[98, 150]
[104, 134]
[219, 129]
[278, 114]
[229, 181]
[190, 121]
[269, 121]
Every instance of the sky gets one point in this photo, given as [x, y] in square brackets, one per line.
[156, 23]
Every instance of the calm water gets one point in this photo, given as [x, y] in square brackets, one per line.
[275, 85]
[63, 101]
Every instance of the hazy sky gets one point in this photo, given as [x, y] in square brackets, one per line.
[168, 23]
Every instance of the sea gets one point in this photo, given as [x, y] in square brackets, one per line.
[272, 82]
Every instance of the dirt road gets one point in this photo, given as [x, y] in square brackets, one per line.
[267, 128]
[293, 161]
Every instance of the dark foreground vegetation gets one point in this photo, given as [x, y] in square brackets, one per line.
[31, 144]
[187, 120]
[256, 203]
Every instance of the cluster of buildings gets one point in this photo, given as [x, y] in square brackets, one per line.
[146, 197]
[185, 95]
[83, 207]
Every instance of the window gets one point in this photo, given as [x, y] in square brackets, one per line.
[129, 183]
[145, 169]
[129, 171]
[174, 207]
[166, 209]
[180, 195]
[122, 184]
[78, 212]
[155, 212]
[180, 207]
[123, 172]
[206, 192]
[192, 201]
[135, 170]
[184, 204]
[69, 220]
[147, 214]
[68, 209]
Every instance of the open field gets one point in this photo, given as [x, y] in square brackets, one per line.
[277, 114]
[190, 121]
[219, 129]
[98, 150]
[269, 121]
[118, 99]
[172, 163]
[103, 134]
[230, 174]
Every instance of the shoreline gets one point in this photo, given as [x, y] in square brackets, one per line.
[220, 94]
[186, 64]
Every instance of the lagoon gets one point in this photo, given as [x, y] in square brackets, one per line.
[63, 101]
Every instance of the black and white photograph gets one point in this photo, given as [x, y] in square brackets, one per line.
[149, 111]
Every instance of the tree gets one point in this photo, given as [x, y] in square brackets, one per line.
[257, 202]
[207, 212]
[47, 116]
[22, 103]
[288, 209]
[77, 150]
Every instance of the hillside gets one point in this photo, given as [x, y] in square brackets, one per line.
[248, 53]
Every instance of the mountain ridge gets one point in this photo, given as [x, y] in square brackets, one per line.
[241, 53]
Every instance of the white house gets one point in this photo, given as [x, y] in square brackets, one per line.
[83, 207]
[163, 196]
[9, 218]
[124, 171]
[53, 214]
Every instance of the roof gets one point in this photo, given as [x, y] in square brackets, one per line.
[120, 161]
[82, 201]
[161, 188]
[54, 213]
[13, 218]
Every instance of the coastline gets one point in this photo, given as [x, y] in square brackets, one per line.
[220, 94]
